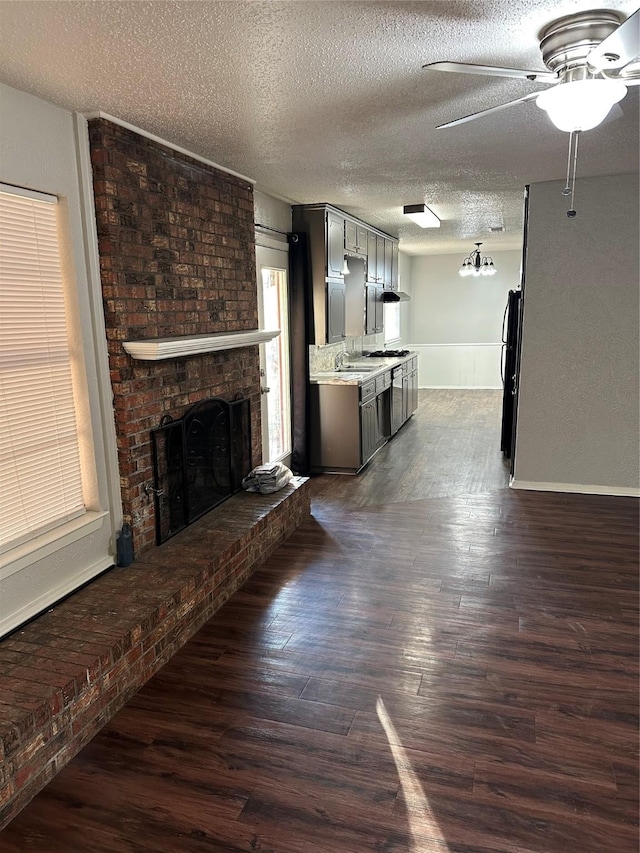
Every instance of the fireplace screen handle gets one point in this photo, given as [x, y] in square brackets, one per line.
[149, 490]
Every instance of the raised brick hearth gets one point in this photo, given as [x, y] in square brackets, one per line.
[66, 673]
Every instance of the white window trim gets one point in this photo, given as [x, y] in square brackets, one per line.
[39, 372]
[36, 574]
[22, 192]
[104, 391]
[48, 543]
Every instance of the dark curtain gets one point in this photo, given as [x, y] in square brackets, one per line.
[300, 307]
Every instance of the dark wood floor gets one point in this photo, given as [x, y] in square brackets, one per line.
[432, 663]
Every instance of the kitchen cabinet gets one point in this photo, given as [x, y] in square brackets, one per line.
[335, 244]
[380, 313]
[394, 267]
[409, 388]
[355, 238]
[383, 400]
[372, 257]
[369, 430]
[336, 295]
[349, 423]
[380, 259]
[412, 402]
[374, 312]
[388, 263]
[330, 235]
[404, 399]
[374, 419]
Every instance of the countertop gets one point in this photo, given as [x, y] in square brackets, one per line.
[371, 367]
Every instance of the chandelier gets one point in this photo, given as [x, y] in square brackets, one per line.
[475, 264]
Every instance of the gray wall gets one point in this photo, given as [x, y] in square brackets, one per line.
[578, 407]
[272, 212]
[405, 284]
[456, 323]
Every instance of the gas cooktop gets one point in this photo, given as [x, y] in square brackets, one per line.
[388, 353]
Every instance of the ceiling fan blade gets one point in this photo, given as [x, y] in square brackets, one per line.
[613, 115]
[497, 109]
[491, 71]
[620, 48]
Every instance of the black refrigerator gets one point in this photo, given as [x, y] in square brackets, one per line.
[510, 335]
[511, 347]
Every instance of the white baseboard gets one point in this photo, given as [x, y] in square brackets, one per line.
[460, 387]
[576, 488]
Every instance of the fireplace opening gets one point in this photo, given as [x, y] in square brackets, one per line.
[199, 461]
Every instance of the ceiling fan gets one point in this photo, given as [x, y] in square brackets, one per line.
[591, 58]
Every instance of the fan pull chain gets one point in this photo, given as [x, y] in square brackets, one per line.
[567, 188]
[570, 187]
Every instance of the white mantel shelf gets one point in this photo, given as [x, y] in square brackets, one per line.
[156, 349]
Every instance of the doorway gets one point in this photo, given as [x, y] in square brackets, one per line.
[272, 263]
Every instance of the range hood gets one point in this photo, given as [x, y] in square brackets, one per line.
[395, 296]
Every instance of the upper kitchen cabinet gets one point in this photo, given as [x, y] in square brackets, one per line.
[336, 294]
[332, 234]
[355, 238]
[394, 266]
[372, 257]
[335, 244]
[380, 241]
[388, 263]
[374, 309]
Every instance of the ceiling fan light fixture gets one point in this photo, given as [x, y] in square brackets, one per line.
[580, 104]
[421, 215]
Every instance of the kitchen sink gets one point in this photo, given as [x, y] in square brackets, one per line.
[354, 368]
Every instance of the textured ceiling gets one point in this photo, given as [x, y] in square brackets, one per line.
[326, 101]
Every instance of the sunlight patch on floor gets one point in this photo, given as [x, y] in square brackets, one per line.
[421, 818]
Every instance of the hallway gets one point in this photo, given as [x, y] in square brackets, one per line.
[433, 662]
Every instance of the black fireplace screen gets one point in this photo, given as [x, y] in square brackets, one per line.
[199, 461]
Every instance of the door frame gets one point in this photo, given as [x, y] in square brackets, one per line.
[274, 254]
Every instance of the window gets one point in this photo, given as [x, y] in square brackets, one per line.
[40, 473]
[276, 417]
[391, 322]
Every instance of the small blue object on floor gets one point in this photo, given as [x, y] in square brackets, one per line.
[124, 546]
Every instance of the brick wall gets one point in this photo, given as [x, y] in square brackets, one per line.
[177, 257]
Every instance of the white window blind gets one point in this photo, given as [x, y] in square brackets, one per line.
[40, 473]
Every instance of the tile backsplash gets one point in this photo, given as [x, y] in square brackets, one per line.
[323, 358]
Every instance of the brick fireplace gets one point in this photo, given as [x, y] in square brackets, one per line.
[177, 257]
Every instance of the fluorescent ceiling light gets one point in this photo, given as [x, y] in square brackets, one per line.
[421, 215]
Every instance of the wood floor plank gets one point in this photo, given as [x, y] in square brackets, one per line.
[432, 663]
